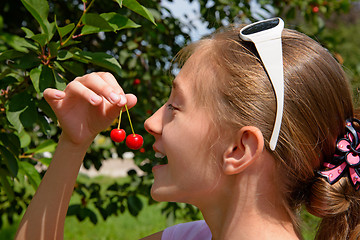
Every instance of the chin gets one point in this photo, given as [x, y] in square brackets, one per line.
[157, 195]
[163, 193]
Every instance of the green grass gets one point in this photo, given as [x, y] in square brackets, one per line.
[123, 226]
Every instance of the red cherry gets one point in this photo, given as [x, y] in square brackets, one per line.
[136, 81]
[315, 9]
[134, 141]
[118, 135]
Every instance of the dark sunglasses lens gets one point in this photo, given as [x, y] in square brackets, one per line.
[261, 27]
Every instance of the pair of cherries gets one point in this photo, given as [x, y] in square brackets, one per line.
[133, 141]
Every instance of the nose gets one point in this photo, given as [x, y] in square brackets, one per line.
[153, 124]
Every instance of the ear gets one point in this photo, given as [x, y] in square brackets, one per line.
[243, 151]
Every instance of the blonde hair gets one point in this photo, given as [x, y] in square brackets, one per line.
[317, 102]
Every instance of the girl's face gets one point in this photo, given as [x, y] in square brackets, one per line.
[181, 128]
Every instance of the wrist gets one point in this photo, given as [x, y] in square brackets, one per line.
[72, 145]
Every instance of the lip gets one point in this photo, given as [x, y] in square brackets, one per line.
[155, 149]
[158, 151]
[156, 164]
[156, 167]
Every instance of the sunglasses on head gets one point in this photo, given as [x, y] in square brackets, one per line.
[266, 36]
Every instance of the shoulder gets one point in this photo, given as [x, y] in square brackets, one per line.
[191, 230]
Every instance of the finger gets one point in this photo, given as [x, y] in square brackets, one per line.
[131, 100]
[53, 94]
[75, 88]
[113, 111]
[101, 87]
[111, 80]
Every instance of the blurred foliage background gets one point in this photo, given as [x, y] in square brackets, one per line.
[49, 43]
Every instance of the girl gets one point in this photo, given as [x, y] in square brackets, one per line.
[247, 157]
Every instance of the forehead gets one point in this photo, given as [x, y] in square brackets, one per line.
[196, 73]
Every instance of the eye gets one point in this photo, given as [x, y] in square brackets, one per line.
[171, 107]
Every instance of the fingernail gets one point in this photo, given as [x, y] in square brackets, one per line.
[95, 99]
[123, 100]
[114, 97]
[59, 95]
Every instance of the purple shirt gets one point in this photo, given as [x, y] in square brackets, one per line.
[197, 230]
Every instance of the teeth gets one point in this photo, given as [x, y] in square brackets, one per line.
[159, 155]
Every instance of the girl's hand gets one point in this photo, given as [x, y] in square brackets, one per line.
[88, 105]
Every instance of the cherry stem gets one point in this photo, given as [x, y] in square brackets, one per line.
[118, 127]
[127, 111]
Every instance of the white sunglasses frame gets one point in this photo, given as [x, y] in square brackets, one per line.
[266, 36]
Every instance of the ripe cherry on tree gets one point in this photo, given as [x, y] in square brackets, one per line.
[133, 141]
[118, 135]
[315, 9]
[136, 81]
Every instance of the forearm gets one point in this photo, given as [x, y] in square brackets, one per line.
[45, 216]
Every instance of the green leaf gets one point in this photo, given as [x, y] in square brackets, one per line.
[60, 82]
[7, 81]
[73, 209]
[134, 6]
[45, 161]
[118, 21]
[21, 111]
[35, 78]
[45, 108]
[53, 48]
[59, 67]
[74, 67]
[64, 55]
[6, 185]
[10, 160]
[100, 59]
[131, 45]
[124, 55]
[46, 146]
[39, 9]
[26, 61]
[28, 32]
[71, 42]
[42, 78]
[134, 205]
[63, 31]
[25, 139]
[51, 30]
[32, 174]
[94, 23]
[11, 141]
[5, 74]
[18, 43]
[44, 125]
[29, 117]
[14, 118]
[1, 27]
[92, 216]
[106, 22]
[41, 39]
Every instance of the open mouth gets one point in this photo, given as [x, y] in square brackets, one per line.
[160, 159]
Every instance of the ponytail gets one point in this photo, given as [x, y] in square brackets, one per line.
[339, 207]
